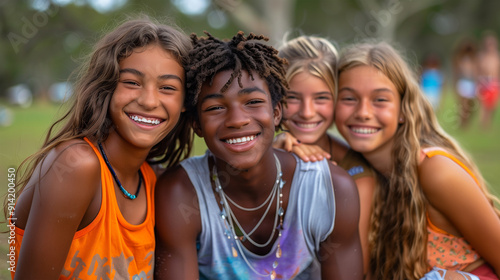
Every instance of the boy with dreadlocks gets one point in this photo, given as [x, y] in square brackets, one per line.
[245, 210]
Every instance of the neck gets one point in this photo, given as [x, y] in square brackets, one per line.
[124, 157]
[325, 143]
[250, 184]
[381, 159]
[384, 166]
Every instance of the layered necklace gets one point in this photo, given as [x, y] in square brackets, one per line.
[232, 224]
[122, 189]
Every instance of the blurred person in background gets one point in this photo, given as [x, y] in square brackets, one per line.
[465, 79]
[489, 74]
[432, 80]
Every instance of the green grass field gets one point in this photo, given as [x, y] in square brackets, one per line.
[27, 131]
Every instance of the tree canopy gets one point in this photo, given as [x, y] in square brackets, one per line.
[43, 41]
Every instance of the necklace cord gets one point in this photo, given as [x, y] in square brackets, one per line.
[122, 189]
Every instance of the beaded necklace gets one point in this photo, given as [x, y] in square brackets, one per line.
[124, 191]
[231, 222]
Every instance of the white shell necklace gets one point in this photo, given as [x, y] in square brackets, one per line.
[232, 223]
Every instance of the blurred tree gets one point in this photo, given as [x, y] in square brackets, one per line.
[271, 18]
[42, 46]
[42, 42]
[416, 27]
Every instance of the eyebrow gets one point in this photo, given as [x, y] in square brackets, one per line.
[250, 90]
[375, 90]
[315, 93]
[241, 92]
[211, 96]
[140, 74]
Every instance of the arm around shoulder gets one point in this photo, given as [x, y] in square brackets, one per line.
[178, 224]
[340, 254]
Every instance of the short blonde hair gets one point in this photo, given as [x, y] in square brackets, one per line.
[314, 55]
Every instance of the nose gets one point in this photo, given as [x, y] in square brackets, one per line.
[364, 110]
[307, 109]
[149, 98]
[236, 117]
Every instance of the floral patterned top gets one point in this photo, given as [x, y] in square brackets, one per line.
[447, 251]
[443, 249]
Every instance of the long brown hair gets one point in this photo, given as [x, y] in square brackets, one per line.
[398, 234]
[97, 79]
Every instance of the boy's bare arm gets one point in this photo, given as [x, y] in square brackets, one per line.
[340, 254]
[177, 226]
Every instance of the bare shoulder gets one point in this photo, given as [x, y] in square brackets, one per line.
[68, 162]
[73, 157]
[345, 261]
[440, 173]
[176, 201]
[174, 182]
[346, 196]
[178, 224]
[66, 181]
[446, 184]
[342, 181]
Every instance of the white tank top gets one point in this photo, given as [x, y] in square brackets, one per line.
[309, 220]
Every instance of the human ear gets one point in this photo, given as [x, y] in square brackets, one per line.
[278, 109]
[196, 128]
[401, 119]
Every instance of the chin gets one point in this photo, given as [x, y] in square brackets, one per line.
[243, 162]
[362, 149]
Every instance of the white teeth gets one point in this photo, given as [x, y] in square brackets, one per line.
[307, 125]
[240, 140]
[144, 120]
[364, 130]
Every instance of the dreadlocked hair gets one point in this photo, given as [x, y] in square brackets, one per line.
[398, 229]
[210, 56]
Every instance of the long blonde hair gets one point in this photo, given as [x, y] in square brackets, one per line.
[398, 234]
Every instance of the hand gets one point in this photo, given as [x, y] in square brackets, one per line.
[306, 152]
[285, 141]
[310, 152]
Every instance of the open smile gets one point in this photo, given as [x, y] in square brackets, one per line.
[240, 140]
[364, 130]
[307, 125]
[145, 120]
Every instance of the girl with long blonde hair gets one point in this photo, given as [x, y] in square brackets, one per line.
[431, 206]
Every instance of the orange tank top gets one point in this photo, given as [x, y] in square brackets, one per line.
[110, 247]
[443, 249]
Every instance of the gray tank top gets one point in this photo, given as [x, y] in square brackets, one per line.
[309, 220]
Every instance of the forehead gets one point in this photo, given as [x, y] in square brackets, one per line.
[152, 58]
[364, 76]
[301, 78]
[220, 79]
